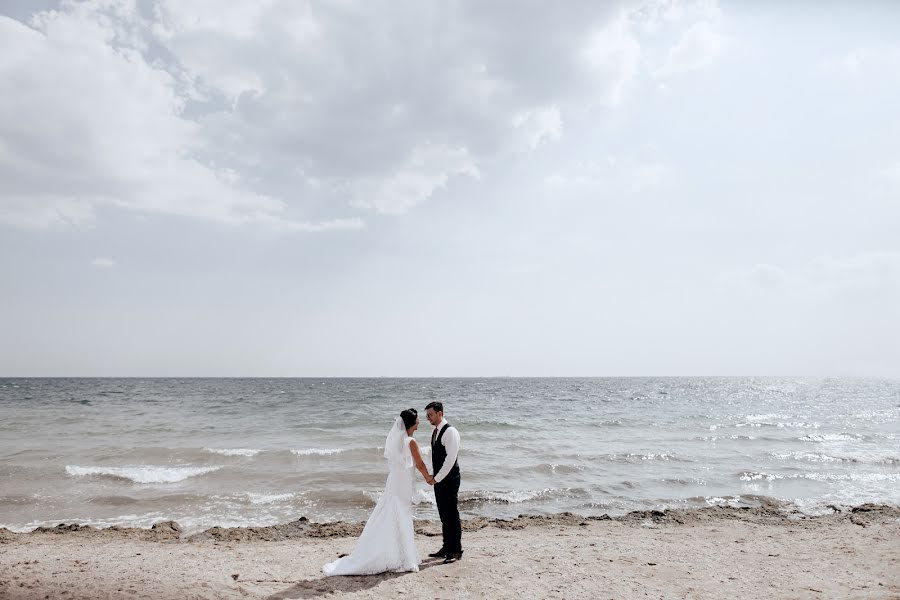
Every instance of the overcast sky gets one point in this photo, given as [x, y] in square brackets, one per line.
[463, 188]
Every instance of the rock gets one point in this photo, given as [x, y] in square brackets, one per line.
[167, 526]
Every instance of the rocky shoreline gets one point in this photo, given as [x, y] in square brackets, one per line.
[765, 551]
[767, 513]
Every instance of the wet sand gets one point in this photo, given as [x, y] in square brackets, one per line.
[702, 553]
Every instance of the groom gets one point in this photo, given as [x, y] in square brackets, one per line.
[444, 450]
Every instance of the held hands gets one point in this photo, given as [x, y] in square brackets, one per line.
[429, 480]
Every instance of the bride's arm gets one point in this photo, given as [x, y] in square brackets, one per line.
[417, 459]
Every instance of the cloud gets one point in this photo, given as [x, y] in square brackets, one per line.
[427, 169]
[103, 263]
[254, 112]
[372, 98]
[92, 122]
[638, 173]
[697, 49]
[539, 124]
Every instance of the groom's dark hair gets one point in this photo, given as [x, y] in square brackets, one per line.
[435, 406]
[409, 417]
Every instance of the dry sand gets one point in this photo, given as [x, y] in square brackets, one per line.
[705, 553]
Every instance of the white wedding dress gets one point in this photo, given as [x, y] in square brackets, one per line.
[387, 543]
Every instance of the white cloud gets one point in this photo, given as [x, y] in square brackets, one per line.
[103, 263]
[539, 124]
[613, 55]
[697, 49]
[651, 15]
[632, 173]
[428, 168]
[233, 111]
[350, 104]
[91, 122]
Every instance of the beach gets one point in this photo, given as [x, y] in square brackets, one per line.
[716, 552]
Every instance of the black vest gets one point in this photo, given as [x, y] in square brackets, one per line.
[439, 454]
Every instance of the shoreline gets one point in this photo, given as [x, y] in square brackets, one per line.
[714, 552]
[767, 513]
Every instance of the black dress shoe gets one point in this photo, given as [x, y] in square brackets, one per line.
[452, 558]
[439, 554]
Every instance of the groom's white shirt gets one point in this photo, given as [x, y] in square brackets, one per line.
[450, 440]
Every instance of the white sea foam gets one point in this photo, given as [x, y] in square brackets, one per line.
[828, 437]
[766, 418]
[142, 473]
[720, 501]
[234, 451]
[852, 476]
[317, 451]
[421, 496]
[756, 476]
[514, 496]
[808, 456]
[268, 498]
[849, 456]
[653, 456]
[867, 477]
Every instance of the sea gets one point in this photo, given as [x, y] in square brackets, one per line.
[253, 452]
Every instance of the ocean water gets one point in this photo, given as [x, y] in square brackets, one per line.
[235, 452]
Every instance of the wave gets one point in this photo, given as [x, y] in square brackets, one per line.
[820, 457]
[234, 451]
[420, 496]
[757, 476]
[113, 500]
[255, 498]
[317, 451]
[779, 424]
[556, 468]
[141, 473]
[830, 437]
[683, 480]
[516, 496]
[852, 476]
[628, 457]
[636, 457]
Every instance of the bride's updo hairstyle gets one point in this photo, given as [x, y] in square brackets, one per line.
[409, 417]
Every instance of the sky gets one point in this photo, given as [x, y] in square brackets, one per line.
[463, 188]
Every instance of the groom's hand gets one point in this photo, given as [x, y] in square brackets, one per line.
[429, 480]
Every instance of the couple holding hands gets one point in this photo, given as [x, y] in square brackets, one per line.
[387, 543]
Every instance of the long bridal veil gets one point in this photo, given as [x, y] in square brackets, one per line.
[396, 450]
[387, 542]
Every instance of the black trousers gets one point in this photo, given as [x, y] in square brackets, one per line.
[446, 493]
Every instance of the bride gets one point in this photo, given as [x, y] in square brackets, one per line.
[388, 541]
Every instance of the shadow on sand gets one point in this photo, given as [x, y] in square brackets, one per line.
[314, 588]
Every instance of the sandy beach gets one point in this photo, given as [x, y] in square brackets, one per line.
[702, 553]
